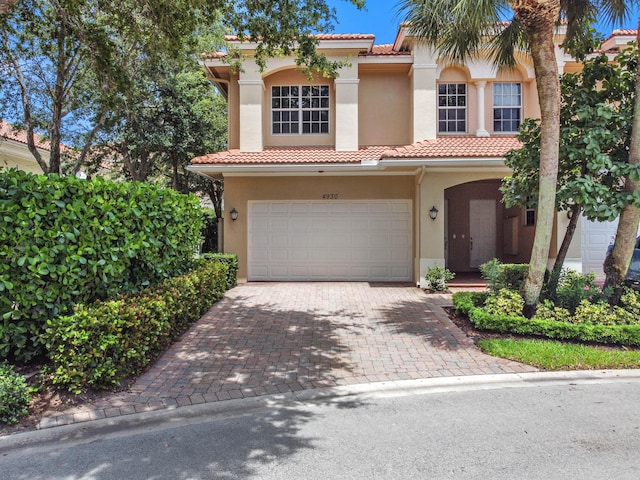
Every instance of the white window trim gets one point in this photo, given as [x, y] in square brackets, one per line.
[495, 107]
[446, 108]
[300, 109]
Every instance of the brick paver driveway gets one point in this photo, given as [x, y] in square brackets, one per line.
[281, 337]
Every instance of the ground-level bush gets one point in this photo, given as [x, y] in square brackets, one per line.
[503, 275]
[587, 331]
[14, 395]
[438, 278]
[231, 261]
[101, 344]
[65, 241]
[574, 288]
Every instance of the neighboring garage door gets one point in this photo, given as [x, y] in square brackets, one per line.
[336, 240]
[596, 238]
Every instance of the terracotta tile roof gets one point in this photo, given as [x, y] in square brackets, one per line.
[448, 147]
[444, 147]
[385, 49]
[321, 36]
[290, 156]
[8, 132]
[211, 55]
[618, 33]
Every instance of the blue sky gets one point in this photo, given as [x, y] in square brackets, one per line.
[381, 19]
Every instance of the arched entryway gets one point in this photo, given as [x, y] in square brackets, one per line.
[479, 227]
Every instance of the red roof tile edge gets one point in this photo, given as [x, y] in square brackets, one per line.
[443, 147]
[9, 132]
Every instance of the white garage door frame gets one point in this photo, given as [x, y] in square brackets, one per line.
[338, 240]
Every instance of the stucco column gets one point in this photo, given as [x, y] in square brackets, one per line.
[424, 99]
[251, 98]
[346, 123]
[481, 131]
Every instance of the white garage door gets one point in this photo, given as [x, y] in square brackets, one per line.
[596, 237]
[336, 240]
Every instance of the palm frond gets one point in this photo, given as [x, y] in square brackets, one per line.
[614, 12]
[460, 29]
[507, 42]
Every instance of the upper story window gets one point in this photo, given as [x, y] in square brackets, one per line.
[507, 107]
[300, 109]
[452, 107]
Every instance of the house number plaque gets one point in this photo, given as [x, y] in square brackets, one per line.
[330, 196]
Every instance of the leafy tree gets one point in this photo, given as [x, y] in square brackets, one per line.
[460, 29]
[167, 119]
[617, 264]
[58, 54]
[595, 127]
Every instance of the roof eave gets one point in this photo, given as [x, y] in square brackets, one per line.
[442, 162]
[356, 168]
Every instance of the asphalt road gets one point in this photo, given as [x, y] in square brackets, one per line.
[567, 428]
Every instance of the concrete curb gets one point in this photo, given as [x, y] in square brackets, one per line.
[99, 429]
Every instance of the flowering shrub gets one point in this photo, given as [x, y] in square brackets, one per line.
[575, 287]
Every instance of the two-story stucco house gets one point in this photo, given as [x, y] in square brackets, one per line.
[378, 174]
[14, 152]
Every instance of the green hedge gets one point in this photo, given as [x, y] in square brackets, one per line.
[468, 303]
[504, 275]
[14, 395]
[101, 344]
[231, 261]
[65, 241]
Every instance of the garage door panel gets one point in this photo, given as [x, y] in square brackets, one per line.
[299, 208]
[346, 240]
[382, 208]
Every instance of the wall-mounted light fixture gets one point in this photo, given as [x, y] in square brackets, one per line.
[433, 213]
[234, 214]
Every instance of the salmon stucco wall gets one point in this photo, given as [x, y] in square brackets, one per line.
[384, 107]
[240, 190]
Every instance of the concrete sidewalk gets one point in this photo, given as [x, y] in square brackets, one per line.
[268, 338]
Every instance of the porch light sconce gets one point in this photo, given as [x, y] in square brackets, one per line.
[433, 213]
[234, 214]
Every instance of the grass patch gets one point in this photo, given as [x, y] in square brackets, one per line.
[551, 355]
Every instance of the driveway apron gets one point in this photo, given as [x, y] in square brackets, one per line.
[265, 338]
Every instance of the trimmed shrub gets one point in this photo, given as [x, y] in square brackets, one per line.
[503, 275]
[547, 310]
[585, 332]
[231, 261]
[463, 302]
[438, 277]
[101, 344]
[506, 302]
[14, 395]
[65, 241]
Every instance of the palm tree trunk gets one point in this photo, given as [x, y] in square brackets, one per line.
[617, 264]
[538, 18]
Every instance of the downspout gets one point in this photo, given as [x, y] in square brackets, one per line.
[423, 171]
